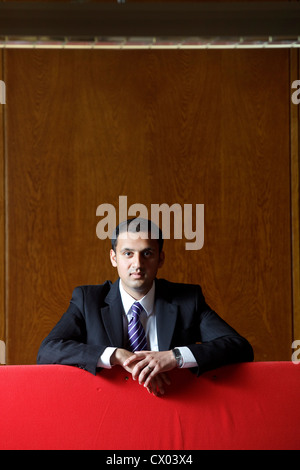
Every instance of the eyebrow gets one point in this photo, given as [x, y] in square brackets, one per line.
[133, 249]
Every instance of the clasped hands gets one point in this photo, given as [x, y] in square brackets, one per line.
[148, 367]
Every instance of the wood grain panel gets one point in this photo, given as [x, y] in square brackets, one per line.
[2, 223]
[211, 127]
[295, 198]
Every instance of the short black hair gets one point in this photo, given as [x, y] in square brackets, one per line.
[138, 224]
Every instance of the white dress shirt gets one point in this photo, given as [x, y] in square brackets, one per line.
[148, 320]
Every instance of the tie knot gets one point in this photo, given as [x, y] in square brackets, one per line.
[136, 308]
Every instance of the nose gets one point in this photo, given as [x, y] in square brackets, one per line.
[137, 260]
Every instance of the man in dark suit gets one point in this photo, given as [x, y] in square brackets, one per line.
[175, 325]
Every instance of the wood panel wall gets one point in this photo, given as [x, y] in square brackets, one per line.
[2, 226]
[198, 127]
[295, 199]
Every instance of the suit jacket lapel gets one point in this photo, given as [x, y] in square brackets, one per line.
[112, 316]
[166, 316]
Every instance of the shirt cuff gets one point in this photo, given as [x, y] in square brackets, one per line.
[104, 359]
[188, 357]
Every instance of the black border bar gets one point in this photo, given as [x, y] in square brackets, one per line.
[185, 19]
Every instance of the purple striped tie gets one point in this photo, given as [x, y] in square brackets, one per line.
[136, 335]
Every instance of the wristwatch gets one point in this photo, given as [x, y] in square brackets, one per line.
[178, 357]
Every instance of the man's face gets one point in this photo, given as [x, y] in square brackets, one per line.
[137, 262]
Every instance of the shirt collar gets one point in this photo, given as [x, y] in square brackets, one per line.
[147, 301]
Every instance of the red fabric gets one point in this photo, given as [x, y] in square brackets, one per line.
[244, 406]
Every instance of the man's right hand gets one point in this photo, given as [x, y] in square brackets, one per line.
[119, 356]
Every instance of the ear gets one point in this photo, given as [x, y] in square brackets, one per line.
[161, 259]
[113, 258]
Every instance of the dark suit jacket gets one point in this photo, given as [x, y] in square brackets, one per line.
[93, 321]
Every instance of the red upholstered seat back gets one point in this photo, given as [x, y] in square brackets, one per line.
[243, 406]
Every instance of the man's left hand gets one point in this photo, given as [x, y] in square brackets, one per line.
[150, 364]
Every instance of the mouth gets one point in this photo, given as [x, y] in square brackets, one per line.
[137, 275]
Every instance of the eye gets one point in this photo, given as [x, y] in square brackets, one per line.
[127, 254]
[147, 253]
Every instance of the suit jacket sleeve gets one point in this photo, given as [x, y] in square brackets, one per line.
[67, 342]
[220, 343]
